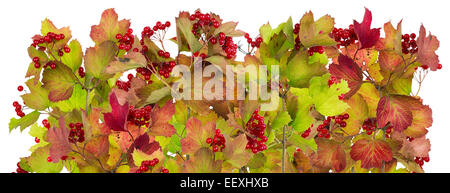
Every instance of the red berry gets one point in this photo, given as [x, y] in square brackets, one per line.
[167, 24]
[20, 88]
[439, 66]
[49, 159]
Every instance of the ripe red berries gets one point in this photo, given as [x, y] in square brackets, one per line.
[20, 88]
[316, 49]
[18, 108]
[256, 127]
[409, 44]
[148, 164]
[126, 41]
[345, 37]
[218, 142]
[76, 133]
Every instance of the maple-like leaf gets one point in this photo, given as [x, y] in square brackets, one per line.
[59, 81]
[117, 118]
[371, 152]
[326, 98]
[302, 161]
[316, 33]
[203, 162]
[390, 61]
[74, 58]
[330, 154]
[348, 70]
[427, 45]
[299, 71]
[393, 39]
[422, 117]
[185, 38]
[367, 37]
[196, 135]
[48, 26]
[58, 137]
[235, 152]
[394, 110]
[97, 58]
[38, 97]
[130, 96]
[130, 61]
[108, 28]
[358, 113]
[160, 118]
[419, 147]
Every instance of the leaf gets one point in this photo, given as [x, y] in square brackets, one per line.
[59, 81]
[316, 33]
[394, 110]
[203, 162]
[422, 118]
[267, 32]
[393, 40]
[39, 164]
[303, 118]
[281, 120]
[358, 113]
[235, 152]
[419, 147]
[371, 152]
[117, 118]
[300, 71]
[48, 26]
[108, 28]
[77, 101]
[427, 45]
[39, 132]
[130, 61]
[74, 58]
[38, 97]
[330, 154]
[367, 37]
[58, 137]
[196, 135]
[302, 162]
[303, 143]
[348, 70]
[326, 98]
[97, 58]
[24, 122]
[160, 118]
[371, 96]
[390, 61]
[139, 156]
[229, 29]
[186, 39]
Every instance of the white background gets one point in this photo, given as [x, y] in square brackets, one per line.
[20, 20]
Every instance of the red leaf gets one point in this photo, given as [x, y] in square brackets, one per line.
[59, 141]
[371, 153]
[427, 45]
[419, 147]
[367, 37]
[394, 110]
[117, 118]
[330, 154]
[160, 120]
[109, 26]
[196, 135]
[348, 70]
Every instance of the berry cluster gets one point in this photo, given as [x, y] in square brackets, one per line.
[217, 142]
[76, 133]
[370, 125]
[344, 37]
[421, 160]
[164, 170]
[409, 44]
[37, 64]
[49, 38]
[19, 170]
[46, 123]
[318, 49]
[165, 68]
[126, 41]
[202, 21]
[125, 85]
[164, 54]
[256, 127]
[228, 45]
[145, 165]
[306, 133]
[253, 43]
[18, 107]
[139, 116]
[52, 65]
[81, 72]
[297, 39]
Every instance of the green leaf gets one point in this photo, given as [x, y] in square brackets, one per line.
[316, 33]
[303, 118]
[24, 122]
[130, 61]
[303, 143]
[59, 82]
[38, 97]
[39, 164]
[97, 58]
[281, 120]
[326, 98]
[74, 58]
[318, 58]
[37, 131]
[185, 35]
[300, 70]
[77, 101]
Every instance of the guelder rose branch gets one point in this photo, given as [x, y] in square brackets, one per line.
[308, 97]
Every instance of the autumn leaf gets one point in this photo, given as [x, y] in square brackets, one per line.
[427, 45]
[130, 61]
[419, 147]
[196, 135]
[160, 118]
[393, 39]
[48, 26]
[185, 38]
[38, 97]
[203, 162]
[348, 70]
[422, 118]
[299, 71]
[302, 162]
[58, 137]
[39, 164]
[371, 152]
[235, 152]
[358, 113]
[24, 121]
[117, 118]
[326, 98]
[108, 28]
[367, 37]
[97, 58]
[74, 58]
[59, 81]
[316, 33]
[330, 154]
[390, 61]
[394, 110]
